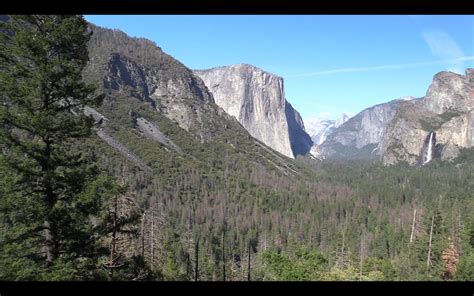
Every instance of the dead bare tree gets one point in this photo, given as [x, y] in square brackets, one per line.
[152, 240]
[223, 253]
[361, 255]
[249, 265]
[413, 226]
[142, 234]
[428, 261]
[341, 257]
[196, 261]
[450, 258]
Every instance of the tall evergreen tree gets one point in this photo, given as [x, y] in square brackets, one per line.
[47, 200]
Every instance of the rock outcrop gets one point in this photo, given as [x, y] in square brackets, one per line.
[447, 110]
[256, 99]
[151, 131]
[138, 68]
[360, 136]
[150, 96]
[100, 122]
[408, 130]
[300, 141]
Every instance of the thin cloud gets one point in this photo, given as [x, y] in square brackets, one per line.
[443, 46]
[384, 67]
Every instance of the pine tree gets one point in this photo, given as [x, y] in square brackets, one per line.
[427, 258]
[46, 211]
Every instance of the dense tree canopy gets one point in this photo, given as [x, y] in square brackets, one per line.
[209, 212]
[50, 185]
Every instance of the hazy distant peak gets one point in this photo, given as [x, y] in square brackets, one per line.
[344, 117]
[406, 98]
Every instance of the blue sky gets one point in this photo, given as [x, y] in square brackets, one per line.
[330, 64]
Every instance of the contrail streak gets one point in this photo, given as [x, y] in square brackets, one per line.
[383, 67]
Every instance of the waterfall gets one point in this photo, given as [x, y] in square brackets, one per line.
[429, 152]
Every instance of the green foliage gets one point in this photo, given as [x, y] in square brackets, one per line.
[465, 269]
[173, 272]
[382, 269]
[341, 274]
[448, 115]
[434, 122]
[133, 269]
[174, 261]
[301, 217]
[51, 185]
[303, 264]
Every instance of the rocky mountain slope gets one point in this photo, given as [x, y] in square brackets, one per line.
[444, 118]
[359, 136]
[140, 69]
[256, 99]
[409, 130]
[158, 115]
[136, 71]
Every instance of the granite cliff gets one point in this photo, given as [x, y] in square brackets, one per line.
[359, 136]
[446, 111]
[157, 113]
[256, 98]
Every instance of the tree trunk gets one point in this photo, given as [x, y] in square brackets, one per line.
[49, 237]
[264, 240]
[224, 224]
[341, 260]
[413, 226]
[361, 256]
[428, 261]
[143, 235]
[196, 263]
[152, 241]
[248, 270]
[223, 256]
[48, 243]
[114, 233]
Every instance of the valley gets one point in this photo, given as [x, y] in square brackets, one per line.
[213, 175]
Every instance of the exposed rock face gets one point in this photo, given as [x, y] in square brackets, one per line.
[320, 129]
[300, 141]
[101, 129]
[359, 136]
[151, 131]
[257, 100]
[341, 120]
[447, 110]
[400, 130]
[169, 94]
[137, 68]
[122, 149]
[147, 91]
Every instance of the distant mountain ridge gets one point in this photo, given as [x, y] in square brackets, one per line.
[359, 136]
[151, 98]
[206, 103]
[319, 129]
[407, 129]
[446, 111]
